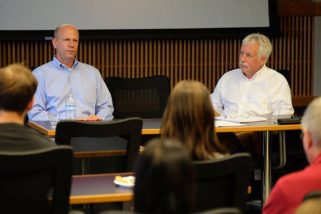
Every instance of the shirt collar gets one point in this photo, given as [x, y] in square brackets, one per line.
[61, 65]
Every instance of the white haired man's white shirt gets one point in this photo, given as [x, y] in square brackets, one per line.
[266, 93]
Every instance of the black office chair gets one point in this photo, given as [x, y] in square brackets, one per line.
[35, 182]
[311, 203]
[103, 138]
[313, 194]
[139, 97]
[223, 182]
[225, 210]
[287, 74]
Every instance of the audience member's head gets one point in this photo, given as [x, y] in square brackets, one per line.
[311, 128]
[17, 87]
[288, 192]
[189, 118]
[164, 179]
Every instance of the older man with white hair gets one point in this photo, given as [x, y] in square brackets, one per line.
[253, 89]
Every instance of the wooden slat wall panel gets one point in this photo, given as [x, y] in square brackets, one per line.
[293, 50]
[178, 59]
[201, 59]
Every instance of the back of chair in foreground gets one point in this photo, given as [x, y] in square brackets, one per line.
[223, 182]
[125, 129]
[36, 182]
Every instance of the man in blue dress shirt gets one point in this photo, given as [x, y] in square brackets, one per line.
[65, 76]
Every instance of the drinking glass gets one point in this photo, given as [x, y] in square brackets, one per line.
[53, 118]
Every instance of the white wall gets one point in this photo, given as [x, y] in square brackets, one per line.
[132, 14]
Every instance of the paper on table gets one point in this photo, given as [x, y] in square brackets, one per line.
[241, 119]
[222, 123]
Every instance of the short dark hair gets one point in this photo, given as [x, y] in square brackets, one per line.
[165, 181]
[17, 87]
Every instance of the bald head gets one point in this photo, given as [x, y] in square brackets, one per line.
[311, 121]
[63, 26]
[66, 43]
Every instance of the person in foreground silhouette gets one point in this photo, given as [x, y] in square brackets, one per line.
[17, 88]
[189, 118]
[164, 179]
[289, 191]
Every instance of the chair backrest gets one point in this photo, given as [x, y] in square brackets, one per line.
[226, 210]
[313, 194]
[223, 182]
[214, 211]
[126, 129]
[287, 74]
[139, 97]
[36, 182]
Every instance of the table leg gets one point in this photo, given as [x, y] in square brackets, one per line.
[267, 167]
[282, 150]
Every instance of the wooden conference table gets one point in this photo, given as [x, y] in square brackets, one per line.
[98, 188]
[152, 127]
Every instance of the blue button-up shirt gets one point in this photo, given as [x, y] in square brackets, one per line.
[83, 81]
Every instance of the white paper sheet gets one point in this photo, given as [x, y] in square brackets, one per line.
[241, 119]
[222, 123]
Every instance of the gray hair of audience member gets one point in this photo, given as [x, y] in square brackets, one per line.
[311, 121]
[265, 46]
[56, 32]
[17, 87]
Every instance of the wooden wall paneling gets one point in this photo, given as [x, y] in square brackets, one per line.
[91, 50]
[293, 50]
[203, 59]
[299, 8]
[132, 59]
[172, 64]
[114, 53]
[159, 57]
[309, 59]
